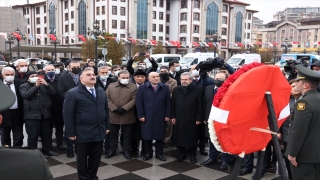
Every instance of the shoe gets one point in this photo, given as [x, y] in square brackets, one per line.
[161, 157]
[70, 154]
[61, 147]
[181, 158]
[106, 150]
[271, 167]
[245, 171]
[127, 155]
[193, 160]
[224, 166]
[110, 154]
[255, 175]
[147, 157]
[51, 153]
[203, 152]
[208, 162]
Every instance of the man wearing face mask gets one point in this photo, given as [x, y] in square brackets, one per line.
[66, 82]
[58, 69]
[37, 107]
[103, 79]
[121, 111]
[153, 68]
[12, 118]
[115, 69]
[174, 69]
[22, 69]
[57, 120]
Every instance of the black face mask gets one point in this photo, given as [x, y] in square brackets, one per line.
[218, 83]
[164, 77]
[76, 70]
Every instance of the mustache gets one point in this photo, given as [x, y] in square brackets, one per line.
[93, 79]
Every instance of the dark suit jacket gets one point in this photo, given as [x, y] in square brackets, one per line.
[18, 78]
[208, 98]
[176, 77]
[100, 84]
[65, 84]
[84, 116]
[56, 100]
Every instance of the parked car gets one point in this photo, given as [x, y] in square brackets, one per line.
[3, 63]
[40, 61]
[2, 58]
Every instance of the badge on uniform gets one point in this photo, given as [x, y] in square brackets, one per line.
[301, 106]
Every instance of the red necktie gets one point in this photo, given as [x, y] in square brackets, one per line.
[51, 80]
[155, 88]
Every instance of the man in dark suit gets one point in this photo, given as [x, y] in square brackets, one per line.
[174, 69]
[68, 81]
[303, 141]
[12, 118]
[91, 64]
[86, 117]
[57, 120]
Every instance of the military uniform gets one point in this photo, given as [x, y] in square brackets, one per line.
[304, 132]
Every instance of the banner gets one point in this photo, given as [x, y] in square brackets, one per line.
[4, 35]
[40, 36]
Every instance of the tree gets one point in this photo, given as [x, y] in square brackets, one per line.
[6, 55]
[266, 55]
[115, 51]
[88, 49]
[159, 48]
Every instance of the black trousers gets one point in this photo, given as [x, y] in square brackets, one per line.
[305, 171]
[203, 140]
[35, 128]
[286, 160]
[158, 146]
[127, 136]
[58, 124]
[107, 142]
[191, 150]
[88, 159]
[17, 132]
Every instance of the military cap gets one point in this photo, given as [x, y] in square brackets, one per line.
[7, 97]
[306, 73]
[317, 64]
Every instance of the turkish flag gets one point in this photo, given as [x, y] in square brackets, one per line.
[132, 40]
[154, 42]
[210, 44]
[173, 43]
[52, 37]
[82, 38]
[178, 44]
[17, 36]
[195, 44]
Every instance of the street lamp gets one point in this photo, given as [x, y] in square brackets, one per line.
[215, 38]
[275, 54]
[285, 47]
[96, 32]
[54, 41]
[148, 47]
[10, 41]
[129, 43]
[23, 37]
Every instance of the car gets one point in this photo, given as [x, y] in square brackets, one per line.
[40, 61]
[2, 58]
[3, 63]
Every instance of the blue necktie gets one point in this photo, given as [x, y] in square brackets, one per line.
[93, 93]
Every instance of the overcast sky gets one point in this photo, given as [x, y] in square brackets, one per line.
[266, 8]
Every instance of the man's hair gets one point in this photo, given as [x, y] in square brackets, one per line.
[313, 83]
[114, 66]
[87, 69]
[123, 72]
[7, 69]
[187, 74]
[123, 66]
[91, 61]
[102, 67]
[32, 60]
[141, 62]
[45, 67]
[20, 61]
[74, 62]
[221, 73]
[171, 63]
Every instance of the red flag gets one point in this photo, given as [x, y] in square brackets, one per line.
[17, 36]
[319, 42]
[259, 43]
[154, 42]
[52, 37]
[178, 44]
[82, 38]
[173, 43]
[195, 44]
[132, 40]
[210, 44]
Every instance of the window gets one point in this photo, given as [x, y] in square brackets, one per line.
[98, 0]
[224, 31]
[249, 26]
[72, 27]
[38, 42]
[154, 15]
[66, 28]
[27, 10]
[71, 3]
[283, 31]
[161, 15]
[184, 17]
[66, 5]
[142, 19]
[160, 28]
[38, 30]
[122, 35]
[28, 20]
[122, 24]
[154, 27]
[82, 16]
[114, 24]
[114, 10]
[24, 11]
[161, 3]
[225, 8]
[38, 20]
[183, 29]
[224, 20]
[291, 31]
[72, 14]
[98, 10]
[195, 39]
[122, 11]
[182, 39]
[103, 24]
[168, 6]
[167, 29]
[196, 29]
[248, 35]
[103, 9]
[45, 19]
[196, 4]
[153, 38]
[154, 2]
[168, 18]
[161, 38]
[72, 41]
[44, 9]
[212, 19]
[45, 40]
[67, 41]
[249, 16]
[28, 31]
[52, 16]
[184, 4]
[122, 1]
[114, 34]
[196, 16]
[45, 30]
[66, 16]
[238, 30]
[37, 10]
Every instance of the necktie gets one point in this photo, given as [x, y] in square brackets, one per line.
[196, 80]
[8, 84]
[51, 79]
[155, 88]
[92, 92]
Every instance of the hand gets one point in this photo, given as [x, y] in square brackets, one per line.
[107, 131]
[121, 111]
[198, 122]
[38, 83]
[279, 136]
[147, 56]
[42, 81]
[73, 138]
[142, 119]
[136, 55]
[173, 120]
[293, 160]
[167, 119]
[205, 122]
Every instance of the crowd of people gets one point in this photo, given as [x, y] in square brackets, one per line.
[89, 107]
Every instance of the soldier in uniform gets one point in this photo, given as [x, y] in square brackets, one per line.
[303, 149]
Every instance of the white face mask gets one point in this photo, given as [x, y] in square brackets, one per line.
[57, 71]
[116, 73]
[124, 81]
[33, 80]
[9, 78]
[23, 69]
[177, 69]
[109, 72]
[195, 72]
[144, 66]
[103, 77]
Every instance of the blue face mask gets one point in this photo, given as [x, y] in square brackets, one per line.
[51, 74]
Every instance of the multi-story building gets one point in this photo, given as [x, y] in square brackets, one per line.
[297, 13]
[256, 22]
[186, 21]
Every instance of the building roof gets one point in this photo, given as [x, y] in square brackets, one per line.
[28, 5]
[253, 11]
[272, 24]
[236, 2]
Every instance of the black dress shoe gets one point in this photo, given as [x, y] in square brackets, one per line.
[51, 153]
[255, 175]
[160, 157]
[147, 157]
[203, 152]
[61, 147]
[110, 154]
[181, 158]
[70, 154]
[245, 171]
[127, 155]
[208, 162]
[193, 160]
[224, 166]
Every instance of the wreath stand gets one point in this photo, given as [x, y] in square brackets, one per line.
[273, 125]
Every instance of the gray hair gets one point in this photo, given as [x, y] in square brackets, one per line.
[102, 67]
[123, 72]
[7, 69]
[20, 61]
[87, 69]
[187, 74]
[45, 67]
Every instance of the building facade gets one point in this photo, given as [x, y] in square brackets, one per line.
[297, 13]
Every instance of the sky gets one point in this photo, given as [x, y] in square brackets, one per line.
[266, 8]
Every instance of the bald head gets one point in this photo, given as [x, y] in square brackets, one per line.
[154, 78]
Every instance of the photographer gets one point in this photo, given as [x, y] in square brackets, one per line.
[153, 68]
[290, 67]
[316, 67]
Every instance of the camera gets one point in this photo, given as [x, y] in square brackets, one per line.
[290, 67]
[142, 53]
[210, 64]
